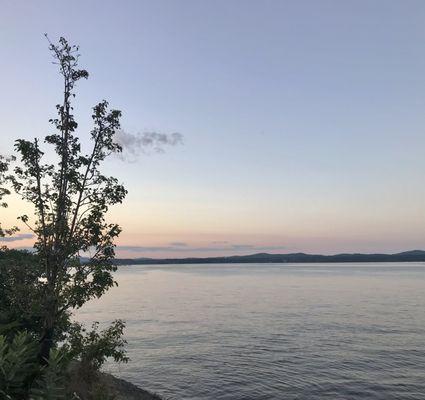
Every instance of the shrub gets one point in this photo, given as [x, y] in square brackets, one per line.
[18, 365]
[22, 376]
[92, 348]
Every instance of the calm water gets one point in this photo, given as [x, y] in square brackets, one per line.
[282, 331]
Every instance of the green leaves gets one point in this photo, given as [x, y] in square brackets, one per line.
[18, 363]
[21, 292]
[38, 290]
[51, 384]
[5, 191]
[22, 377]
[94, 347]
[70, 194]
[71, 198]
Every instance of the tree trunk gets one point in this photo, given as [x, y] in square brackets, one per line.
[46, 345]
[46, 341]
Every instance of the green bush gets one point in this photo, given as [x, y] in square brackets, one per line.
[18, 366]
[92, 348]
[21, 293]
[23, 377]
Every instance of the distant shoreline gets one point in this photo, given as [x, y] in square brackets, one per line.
[414, 255]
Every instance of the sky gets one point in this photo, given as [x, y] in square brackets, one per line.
[303, 121]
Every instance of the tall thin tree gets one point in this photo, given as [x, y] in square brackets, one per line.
[71, 198]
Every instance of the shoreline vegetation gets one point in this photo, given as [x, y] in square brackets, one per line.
[44, 354]
[406, 256]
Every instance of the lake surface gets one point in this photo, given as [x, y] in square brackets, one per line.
[271, 331]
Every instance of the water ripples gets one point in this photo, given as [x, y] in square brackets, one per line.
[278, 332]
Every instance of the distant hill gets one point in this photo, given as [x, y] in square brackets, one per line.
[414, 255]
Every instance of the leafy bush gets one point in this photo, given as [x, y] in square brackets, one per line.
[22, 376]
[22, 295]
[92, 348]
[20, 292]
[51, 384]
[18, 365]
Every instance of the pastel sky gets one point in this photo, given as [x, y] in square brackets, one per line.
[303, 121]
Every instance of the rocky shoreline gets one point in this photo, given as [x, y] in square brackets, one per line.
[104, 385]
[124, 390]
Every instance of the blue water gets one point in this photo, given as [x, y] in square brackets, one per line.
[271, 331]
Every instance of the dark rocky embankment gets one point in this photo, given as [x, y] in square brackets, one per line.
[100, 385]
[123, 390]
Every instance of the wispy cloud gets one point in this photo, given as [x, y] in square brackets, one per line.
[184, 247]
[142, 143]
[15, 238]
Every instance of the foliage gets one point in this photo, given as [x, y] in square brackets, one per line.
[39, 290]
[93, 347]
[21, 293]
[21, 375]
[71, 198]
[51, 384]
[4, 191]
[18, 364]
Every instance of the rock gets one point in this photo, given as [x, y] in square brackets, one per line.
[124, 390]
[86, 384]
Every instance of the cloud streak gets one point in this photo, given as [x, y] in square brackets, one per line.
[20, 236]
[143, 143]
[183, 247]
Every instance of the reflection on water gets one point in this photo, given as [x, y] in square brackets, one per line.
[271, 331]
